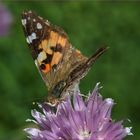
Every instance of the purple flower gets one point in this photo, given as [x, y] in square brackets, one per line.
[5, 20]
[78, 120]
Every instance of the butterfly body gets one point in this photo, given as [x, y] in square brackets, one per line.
[60, 65]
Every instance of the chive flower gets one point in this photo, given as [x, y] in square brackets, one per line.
[78, 119]
[5, 20]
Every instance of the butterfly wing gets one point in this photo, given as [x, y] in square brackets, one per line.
[82, 69]
[51, 50]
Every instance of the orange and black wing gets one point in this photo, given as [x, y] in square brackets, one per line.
[54, 56]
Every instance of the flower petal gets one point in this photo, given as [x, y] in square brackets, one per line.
[78, 102]
[5, 20]
[41, 119]
[47, 135]
[32, 131]
[64, 108]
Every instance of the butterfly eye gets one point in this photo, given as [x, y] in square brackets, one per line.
[57, 90]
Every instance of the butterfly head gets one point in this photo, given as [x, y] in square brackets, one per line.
[52, 101]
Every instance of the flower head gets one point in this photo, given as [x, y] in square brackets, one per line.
[78, 120]
[5, 20]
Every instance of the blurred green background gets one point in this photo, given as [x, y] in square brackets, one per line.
[89, 26]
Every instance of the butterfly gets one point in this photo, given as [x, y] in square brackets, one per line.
[61, 65]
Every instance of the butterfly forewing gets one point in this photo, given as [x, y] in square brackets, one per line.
[54, 56]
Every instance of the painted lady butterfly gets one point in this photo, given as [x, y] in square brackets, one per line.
[60, 65]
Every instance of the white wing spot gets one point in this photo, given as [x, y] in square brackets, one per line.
[47, 22]
[40, 17]
[41, 56]
[34, 20]
[23, 22]
[27, 39]
[31, 37]
[30, 11]
[36, 63]
[29, 18]
[39, 26]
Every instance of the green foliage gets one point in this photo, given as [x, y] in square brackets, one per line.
[89, 26]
